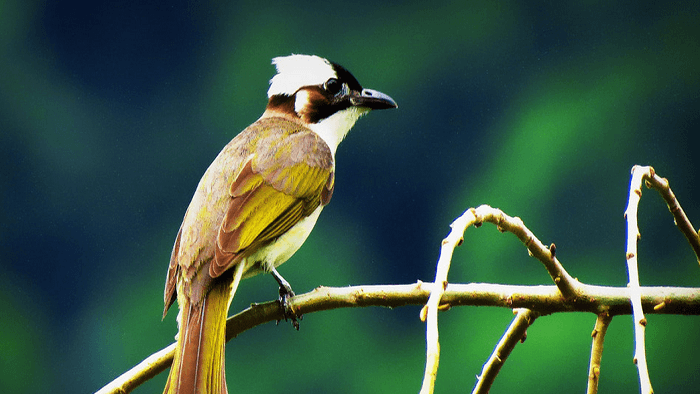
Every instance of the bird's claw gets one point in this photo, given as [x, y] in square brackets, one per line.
[289, 314]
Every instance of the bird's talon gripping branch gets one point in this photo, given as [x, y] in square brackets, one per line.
[286, 293]
[287, 310]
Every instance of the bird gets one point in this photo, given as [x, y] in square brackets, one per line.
[255, 206]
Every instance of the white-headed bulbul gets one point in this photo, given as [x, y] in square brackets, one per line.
[255, 206]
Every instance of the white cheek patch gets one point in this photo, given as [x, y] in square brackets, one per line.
[301, 99]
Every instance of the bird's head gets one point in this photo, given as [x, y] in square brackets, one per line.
[321, 94]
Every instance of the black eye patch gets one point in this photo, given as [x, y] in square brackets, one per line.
[333, 86]
[321, 104]
[345, 76]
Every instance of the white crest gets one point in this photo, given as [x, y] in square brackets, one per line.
[296, 71]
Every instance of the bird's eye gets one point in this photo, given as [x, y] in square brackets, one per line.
[333, 86]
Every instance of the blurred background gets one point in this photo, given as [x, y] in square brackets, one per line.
[111, 111]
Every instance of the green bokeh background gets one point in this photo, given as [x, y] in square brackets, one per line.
[111, 111]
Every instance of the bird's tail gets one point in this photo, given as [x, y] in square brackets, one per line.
[198, 365]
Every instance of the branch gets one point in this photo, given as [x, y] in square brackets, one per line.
[569, 287]
[543, 299]
[145, 370]
[680, 219]
[516, 333]
[569, 295]
[598, 334]
[430, 310]
[640, 321]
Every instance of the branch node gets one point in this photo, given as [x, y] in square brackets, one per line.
[529, 239]
[423, 313]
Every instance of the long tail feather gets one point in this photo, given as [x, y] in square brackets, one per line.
[198, 366]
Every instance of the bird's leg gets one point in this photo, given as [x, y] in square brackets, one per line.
[286, 293]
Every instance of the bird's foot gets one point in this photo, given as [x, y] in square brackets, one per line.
[286, 293]
[289, 314]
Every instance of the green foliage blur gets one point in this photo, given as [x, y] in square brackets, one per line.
[111, 111]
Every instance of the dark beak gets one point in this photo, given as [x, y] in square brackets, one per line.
[372, 99]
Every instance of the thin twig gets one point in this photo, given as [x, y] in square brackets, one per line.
[640, 321]
[430, 311]
[601, 327]
[568, 286]
[515, 333]
[679, 217]
[544, 299]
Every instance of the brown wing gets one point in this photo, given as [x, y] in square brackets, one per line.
[170, 294]
[287, 178]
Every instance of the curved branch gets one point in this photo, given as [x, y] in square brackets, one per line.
[430, 310]
[679, 217]
[543, 299]
[568, 286]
